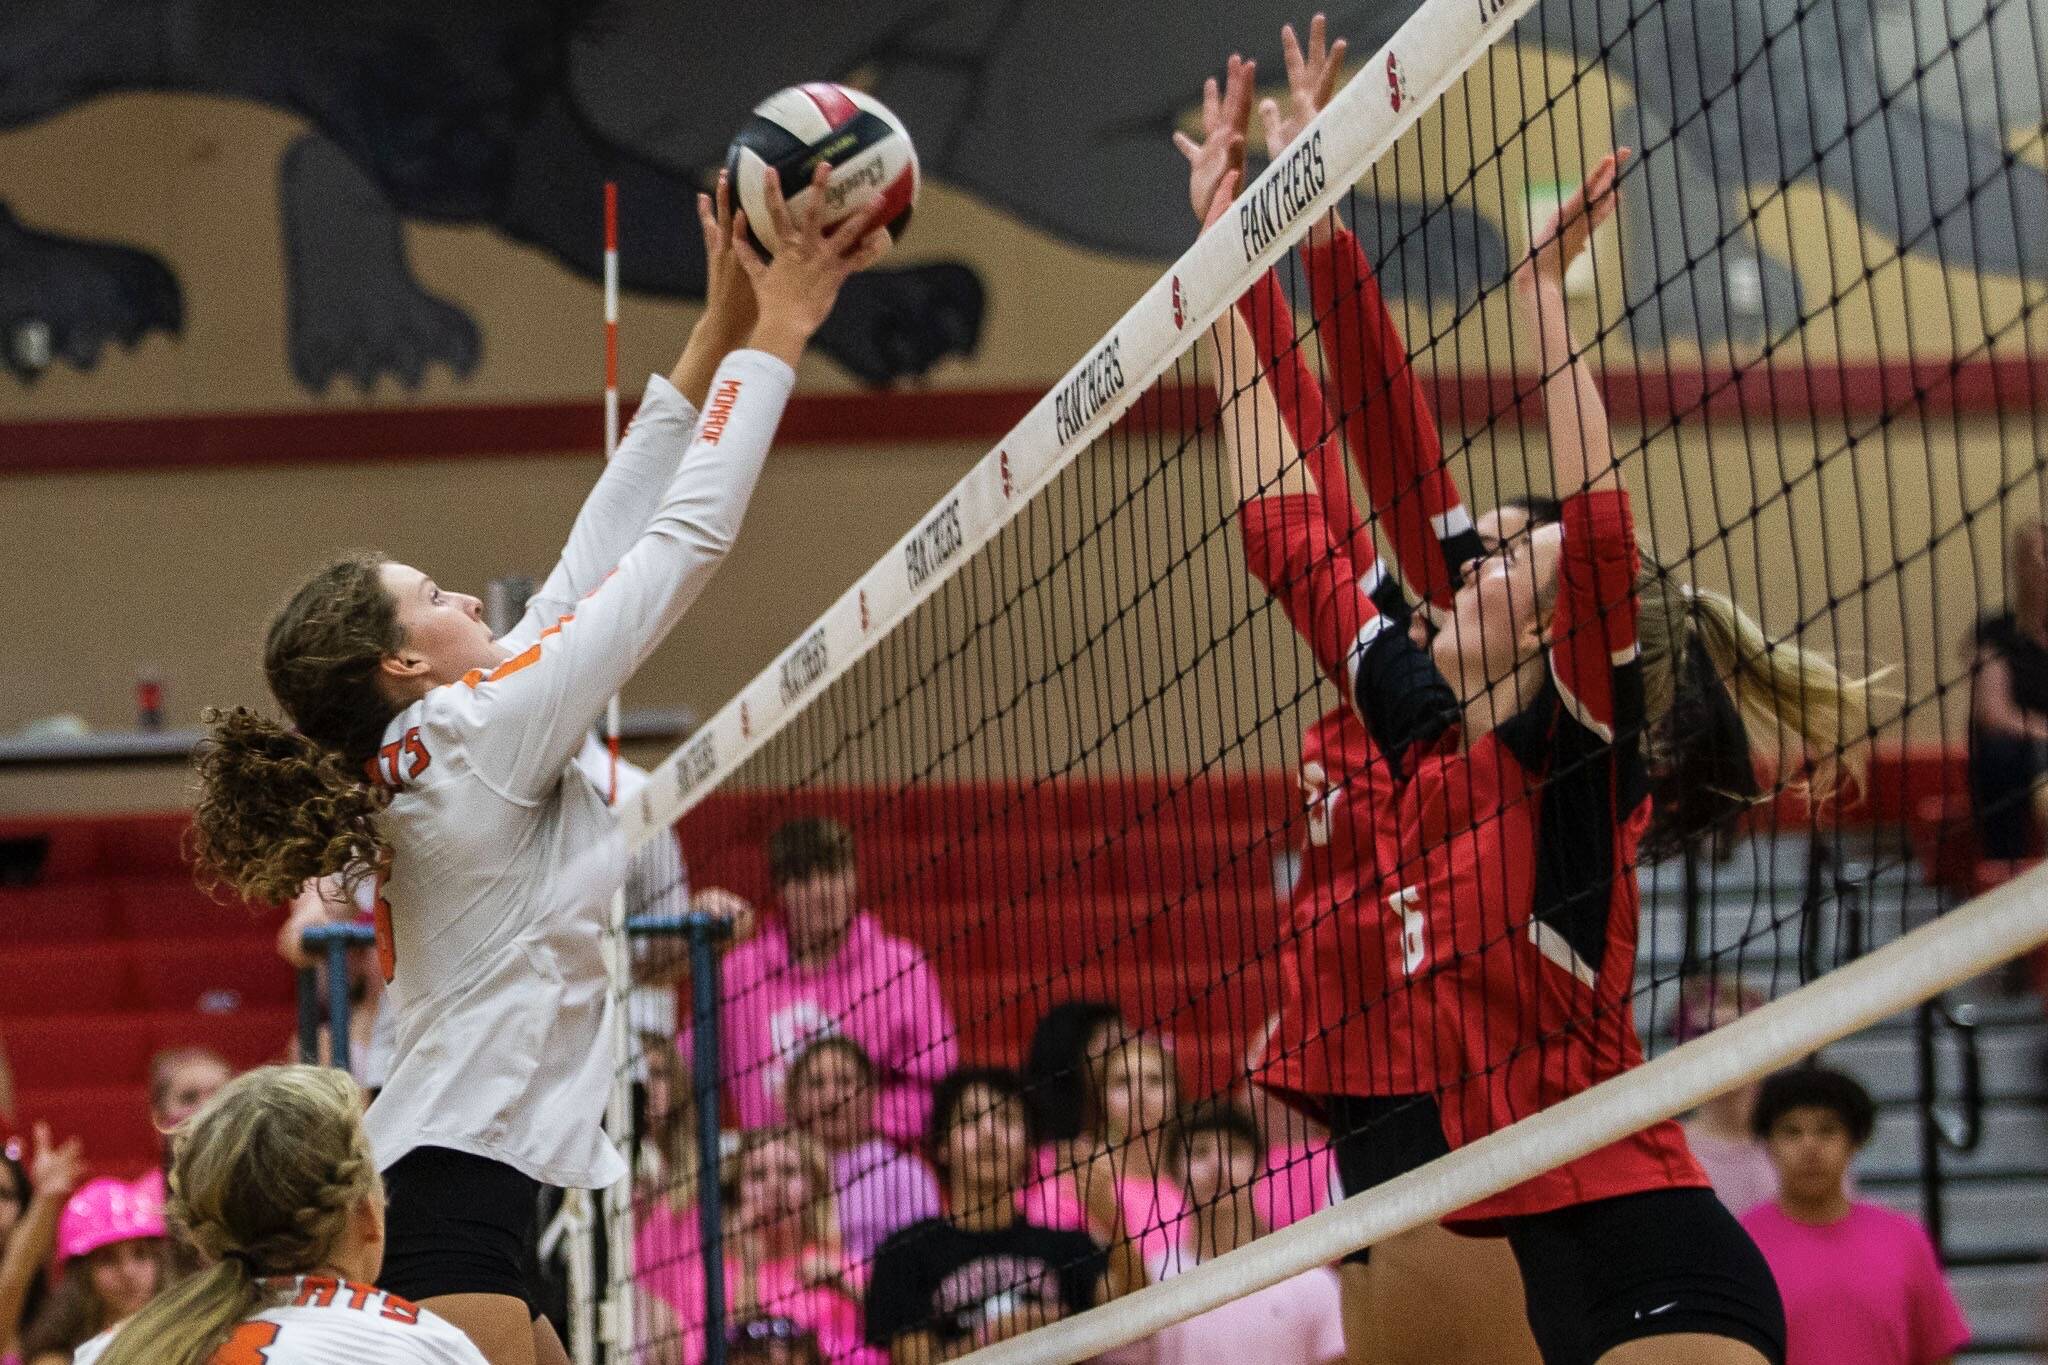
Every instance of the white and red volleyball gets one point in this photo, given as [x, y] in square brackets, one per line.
[794, 130]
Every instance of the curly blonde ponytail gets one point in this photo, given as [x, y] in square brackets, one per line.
[263, 1181]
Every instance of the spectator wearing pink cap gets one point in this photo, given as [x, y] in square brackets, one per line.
[112, 1244]
[825, 966]
[31, 1200]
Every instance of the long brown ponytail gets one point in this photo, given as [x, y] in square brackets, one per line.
[279, 806]
[262, 1183]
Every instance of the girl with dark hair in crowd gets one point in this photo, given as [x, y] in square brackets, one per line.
[32, 1200]
[1069, 1040]
[462, 771]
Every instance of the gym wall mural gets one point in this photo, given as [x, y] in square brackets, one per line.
[220, 205]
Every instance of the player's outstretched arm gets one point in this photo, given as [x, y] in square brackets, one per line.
[538, 706]
[632, 485]
[1581, 449]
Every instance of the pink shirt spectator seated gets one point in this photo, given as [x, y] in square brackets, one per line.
[1216, 1152]
[824, 968]
[1860, 1283]
[1137, 1089]
[781, 1250]
[830, 1096]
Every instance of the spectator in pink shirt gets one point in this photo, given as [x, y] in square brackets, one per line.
[830, 1095]
[826, 967]
[1860, 1282]
[1722, 1131]
[1136, 1094]
[1215, 1151]
[782, 1253]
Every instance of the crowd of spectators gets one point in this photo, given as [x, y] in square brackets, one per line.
[883, 1204]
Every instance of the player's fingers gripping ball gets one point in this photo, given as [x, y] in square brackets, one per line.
[794, 131]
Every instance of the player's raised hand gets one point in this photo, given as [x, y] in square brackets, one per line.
[1312, 75]
[1558, 242]
[1226, 114]
[728, 293]
[795, 291]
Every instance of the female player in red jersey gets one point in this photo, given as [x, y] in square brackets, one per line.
[1345, 1047]
[1522, 751]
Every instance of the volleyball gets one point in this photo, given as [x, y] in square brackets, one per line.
[854, 133]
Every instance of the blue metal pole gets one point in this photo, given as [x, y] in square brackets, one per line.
[334, 940]
[706, 934]
[309, 1015]
[337, 1003]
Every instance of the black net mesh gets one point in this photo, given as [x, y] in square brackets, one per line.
[1094, 825]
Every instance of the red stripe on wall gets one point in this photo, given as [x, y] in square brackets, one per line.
[975, 417]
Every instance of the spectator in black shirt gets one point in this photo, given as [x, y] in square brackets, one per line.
[2009, 705]
[980, 1273]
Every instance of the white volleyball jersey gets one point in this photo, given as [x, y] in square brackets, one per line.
[504, 856]
[317, 1320]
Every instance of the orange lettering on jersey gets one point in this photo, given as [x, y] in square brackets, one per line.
[358, 1295]
[719, 412]
[416, 751]
[250, 1345]
[316, 1291]
[400, 1310]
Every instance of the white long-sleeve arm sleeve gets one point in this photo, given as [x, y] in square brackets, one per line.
[532, 712]
[624, 498]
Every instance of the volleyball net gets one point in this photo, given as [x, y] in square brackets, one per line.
[1059, 786]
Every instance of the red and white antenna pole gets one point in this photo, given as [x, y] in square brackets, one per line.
[611, 419]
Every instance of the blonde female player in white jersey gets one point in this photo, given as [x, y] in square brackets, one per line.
[465, 769]
[273, 1184]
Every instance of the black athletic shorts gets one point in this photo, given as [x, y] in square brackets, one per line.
[1376, 1138]
[455, 1223]
[1643, 1265]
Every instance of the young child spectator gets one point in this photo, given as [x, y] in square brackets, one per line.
[665, 1156]
[181, 1080]
[782, 1253]
[1061, 1077]
[1860, 1282]
[981, 1273]
[31, 1202]
[771, 1341]
[826, 967]
[113, 1246]
[830, 1094]
[1216, 1152]
[1722, 1132]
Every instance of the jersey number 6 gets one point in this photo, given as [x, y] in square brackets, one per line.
[1414, 943]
